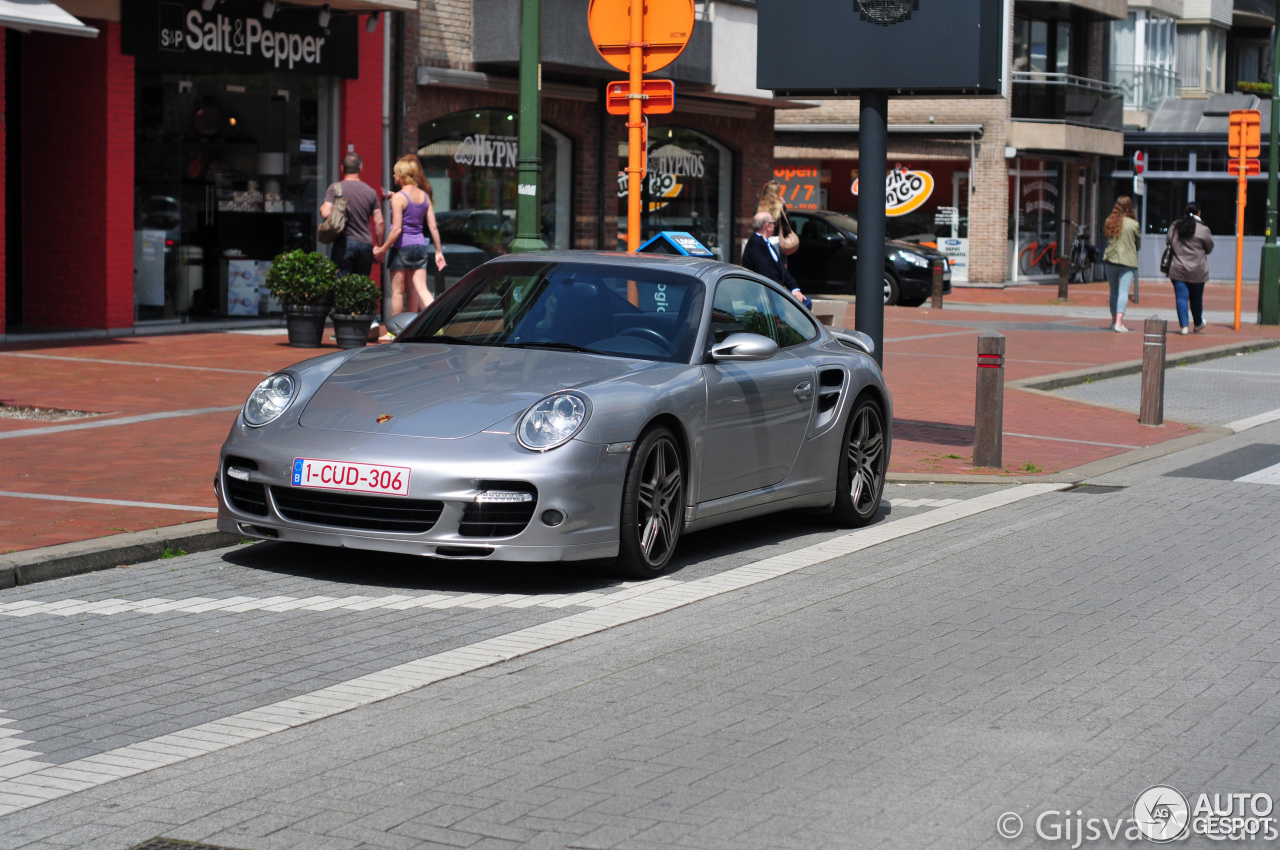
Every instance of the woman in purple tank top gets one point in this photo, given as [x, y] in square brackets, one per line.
[406, 245]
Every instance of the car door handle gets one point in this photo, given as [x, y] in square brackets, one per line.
[804, 390]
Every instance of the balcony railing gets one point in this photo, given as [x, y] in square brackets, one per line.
[1144, 86]
[1065, 99]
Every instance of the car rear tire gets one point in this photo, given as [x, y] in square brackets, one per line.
[652, 506]
[863, 463]
[891, 295]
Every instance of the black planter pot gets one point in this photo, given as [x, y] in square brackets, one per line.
[305, 324]
[352, 331]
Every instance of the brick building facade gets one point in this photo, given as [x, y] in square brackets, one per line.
[1021, 175]
[446, 78]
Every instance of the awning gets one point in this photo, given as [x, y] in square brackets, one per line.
[41, 16]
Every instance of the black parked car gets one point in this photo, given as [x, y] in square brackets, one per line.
[827, 260]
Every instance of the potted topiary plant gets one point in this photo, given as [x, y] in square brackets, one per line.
[303, 282]
[355, 301]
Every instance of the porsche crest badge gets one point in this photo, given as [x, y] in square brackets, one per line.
[384, 418]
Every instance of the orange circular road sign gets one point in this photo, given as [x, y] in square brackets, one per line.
[668, 25]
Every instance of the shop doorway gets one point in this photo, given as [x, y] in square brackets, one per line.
[227, 176]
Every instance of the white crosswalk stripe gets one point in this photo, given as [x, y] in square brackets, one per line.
[280, 604]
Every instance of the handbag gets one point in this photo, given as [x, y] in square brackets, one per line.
[1166, 260]
[333, 226]
[790, 243]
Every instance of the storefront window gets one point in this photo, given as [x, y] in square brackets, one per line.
[1036, 186]
[470, 158]
[226, 177]
[688, 188]
[925, 202]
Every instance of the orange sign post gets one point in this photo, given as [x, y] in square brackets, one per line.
[1244, 144]
[619, 29]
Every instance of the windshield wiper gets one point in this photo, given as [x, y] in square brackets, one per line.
[554, 346]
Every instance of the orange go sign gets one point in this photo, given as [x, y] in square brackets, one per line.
[1244, 137]
[1251, 167]
[658, 97]
[668, 25]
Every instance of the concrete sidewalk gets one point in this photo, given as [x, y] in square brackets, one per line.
[159, 407]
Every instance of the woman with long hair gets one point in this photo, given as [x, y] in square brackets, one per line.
[1124, 237]
[1192, 243]
[406, 244]
[772, 203]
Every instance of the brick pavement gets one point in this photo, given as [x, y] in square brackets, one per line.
[929, 360]
[1067, 651]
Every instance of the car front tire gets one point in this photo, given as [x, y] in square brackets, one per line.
[891, 294]
[863, 464]
[653, 501]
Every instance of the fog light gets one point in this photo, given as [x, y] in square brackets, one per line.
[238, 473]
[552, 518]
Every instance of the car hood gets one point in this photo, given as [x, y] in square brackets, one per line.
[449, 391]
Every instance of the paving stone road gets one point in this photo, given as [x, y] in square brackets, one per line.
[1066, 650]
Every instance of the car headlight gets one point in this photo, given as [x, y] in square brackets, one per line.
[914, 259]
[270, 399]
[552, 422]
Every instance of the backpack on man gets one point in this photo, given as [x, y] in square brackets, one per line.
[336, 224]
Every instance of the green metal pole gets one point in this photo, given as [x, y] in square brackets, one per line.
[1269, 279]
[529, 162]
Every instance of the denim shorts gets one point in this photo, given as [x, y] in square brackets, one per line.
[408, 257]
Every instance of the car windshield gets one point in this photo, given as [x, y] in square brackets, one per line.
[600, 309]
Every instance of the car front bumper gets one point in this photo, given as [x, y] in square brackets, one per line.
[582, 481]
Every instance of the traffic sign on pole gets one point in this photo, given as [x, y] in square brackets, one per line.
[1244, 143]
[1139, 163]
[639, 37]
[1244, 134]
[657, 97]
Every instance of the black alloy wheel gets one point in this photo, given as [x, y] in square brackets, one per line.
[652, 506]
[863, 463]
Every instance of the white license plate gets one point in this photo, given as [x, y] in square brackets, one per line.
[345, 475]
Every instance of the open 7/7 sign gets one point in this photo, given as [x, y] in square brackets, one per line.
[801, 186]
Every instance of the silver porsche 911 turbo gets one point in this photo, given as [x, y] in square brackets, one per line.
[566, 406]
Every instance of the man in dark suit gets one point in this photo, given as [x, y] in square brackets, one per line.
[761, 256]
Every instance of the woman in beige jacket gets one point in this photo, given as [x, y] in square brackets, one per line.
[1124, 237]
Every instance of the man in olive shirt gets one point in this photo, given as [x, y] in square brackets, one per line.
[352, 252]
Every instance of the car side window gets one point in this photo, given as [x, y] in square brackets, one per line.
[791, 324]
[815, 228]
[799, 221]
[740, 306]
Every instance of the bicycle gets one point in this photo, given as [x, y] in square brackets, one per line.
[1034, 260]
[1082, 256]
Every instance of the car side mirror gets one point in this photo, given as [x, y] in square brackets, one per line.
[397, 323]
[834, 238]
[744, 348]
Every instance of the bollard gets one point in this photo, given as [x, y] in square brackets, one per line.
[1154, 335]
[988, 418]
[937, 284]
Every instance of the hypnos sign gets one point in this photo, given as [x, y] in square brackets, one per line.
[901, 47]
[179, 35]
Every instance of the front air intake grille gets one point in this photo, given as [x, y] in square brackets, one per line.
[348, 510]
[245, 496]
[498, 519]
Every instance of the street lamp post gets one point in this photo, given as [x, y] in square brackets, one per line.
[529, 156]
[1269, 283]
